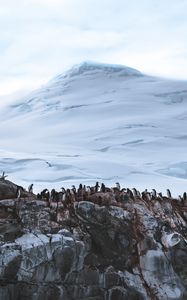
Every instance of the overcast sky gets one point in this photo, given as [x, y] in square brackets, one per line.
[41, 38]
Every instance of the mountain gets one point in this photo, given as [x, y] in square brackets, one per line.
[98, 122]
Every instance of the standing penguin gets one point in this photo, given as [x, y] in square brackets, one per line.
[154, 193]
[134, 191]
[103, 188]
[96, 187]
[160, 196]
[18, 193]
[30, 188]
[184, 196]
[130, 193]
[74, 189]
[168, 193]
[118, 186]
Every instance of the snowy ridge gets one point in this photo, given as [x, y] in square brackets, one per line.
[61, 84]
[98, 122]
[91, 67]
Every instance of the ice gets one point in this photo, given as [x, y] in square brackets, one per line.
[98, 122]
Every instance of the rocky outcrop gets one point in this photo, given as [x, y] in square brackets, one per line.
[9, 190]
[133, 250]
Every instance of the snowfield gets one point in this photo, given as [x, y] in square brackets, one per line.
[98, 122]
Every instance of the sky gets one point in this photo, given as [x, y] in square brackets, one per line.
[42, 38]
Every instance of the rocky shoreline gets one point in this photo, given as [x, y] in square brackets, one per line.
[92, 244]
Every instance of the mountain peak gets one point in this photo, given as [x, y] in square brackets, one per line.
[91, 67]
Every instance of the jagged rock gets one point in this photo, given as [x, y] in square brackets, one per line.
[87, 251]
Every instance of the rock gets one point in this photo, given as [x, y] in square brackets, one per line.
[92, 252]
[8, 190]
[117, 293]
[11, 230]
[160, 276]
[171, 240]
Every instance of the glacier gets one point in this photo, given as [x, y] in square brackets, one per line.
[98, 122]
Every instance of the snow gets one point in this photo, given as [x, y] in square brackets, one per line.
[98, 122]
[89, 67]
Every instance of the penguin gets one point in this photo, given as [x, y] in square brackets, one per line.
[160, 196]
[118, 186]
[96, 187]
[53, 195]
[154, 193]
[130, 194]
[183, 199]
[45, 194]
[103, 188]
[143, 195]
[39, 197]
[18, 193]
[122, 194]
[68, 199]
[62, 195]
[88, 189]
[146, 195]
[80, 186]
[30, 188]
[80, 192]
[63, 189]
[168, 193]
[134, 191]
[184, 196]
[73, 189]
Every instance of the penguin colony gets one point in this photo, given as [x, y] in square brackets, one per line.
[98, 194]
[102, 195]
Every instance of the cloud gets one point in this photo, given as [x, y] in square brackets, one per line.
[40, 38]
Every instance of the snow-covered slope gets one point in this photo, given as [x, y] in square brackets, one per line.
[98, 122]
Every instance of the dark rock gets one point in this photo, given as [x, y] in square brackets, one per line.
[92, 252]
[10, 231]
[64, 259]
[112, 279]
[118, 293]
[11, 270]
